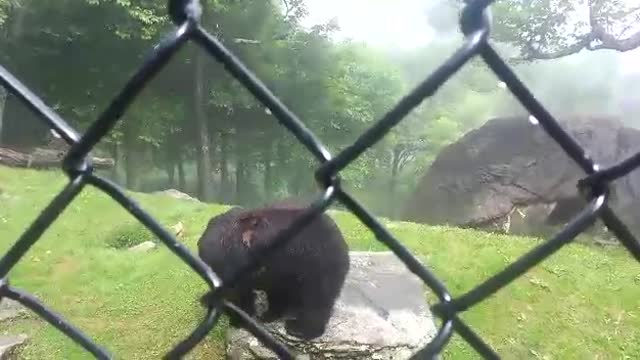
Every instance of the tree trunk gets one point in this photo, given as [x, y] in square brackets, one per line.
[214, 163]
[132, 174]
[170, 159]
[170, 168]
[224, 167]
[156, 156]
[395, 162]
[281, 159]
[131, 163]
[202, 133]
[200, 95]
[171, 175]
[395, 165]
[268, 175]
[3, 101]
[182, 179]
[214, 152]
[298, 179]
[240, 179]
[15, 24]
[116, 152]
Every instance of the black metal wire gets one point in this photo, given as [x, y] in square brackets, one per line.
[475, 22]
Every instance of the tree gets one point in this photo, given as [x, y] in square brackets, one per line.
[194, 127]
[77, 86]
[546, 29]
[551, 29]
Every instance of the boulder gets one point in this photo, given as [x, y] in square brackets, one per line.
[176, 194]
[11, 309]
[510, 165]
[9, 346]
[381, 313]
[44, 158]
[144, 247]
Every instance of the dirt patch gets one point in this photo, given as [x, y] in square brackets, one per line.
[66, 265]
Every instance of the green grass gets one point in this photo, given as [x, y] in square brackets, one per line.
[582, 303]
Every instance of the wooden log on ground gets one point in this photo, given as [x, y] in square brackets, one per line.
[44, 158]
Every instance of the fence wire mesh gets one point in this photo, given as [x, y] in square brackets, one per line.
[475, 21]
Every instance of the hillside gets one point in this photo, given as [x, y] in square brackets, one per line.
[582, 303]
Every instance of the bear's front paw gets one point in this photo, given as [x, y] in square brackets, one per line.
[297, 329]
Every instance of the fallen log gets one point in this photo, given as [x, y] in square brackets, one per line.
[44, 158]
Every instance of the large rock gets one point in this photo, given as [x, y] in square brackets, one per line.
[144, 247]
[511, 165]
[176, 194]
[381, 314]
[10, 309]
[39, 158]
[9, 346]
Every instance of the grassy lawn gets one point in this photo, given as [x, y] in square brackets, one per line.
[583, 303]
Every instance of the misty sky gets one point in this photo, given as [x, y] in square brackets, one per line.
[380, 22]
[400, 23]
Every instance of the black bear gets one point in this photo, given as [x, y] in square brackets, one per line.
[302, 279]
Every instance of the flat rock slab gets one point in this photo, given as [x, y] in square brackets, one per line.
[381, 313]
[10, 309]
[9, 345]
[144, 247]
[176, 194]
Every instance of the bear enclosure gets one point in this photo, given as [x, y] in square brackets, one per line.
[475, 23]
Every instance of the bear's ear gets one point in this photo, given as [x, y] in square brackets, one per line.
[247, 237]
[248, 226]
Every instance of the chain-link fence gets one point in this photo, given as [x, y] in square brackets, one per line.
[475, 24]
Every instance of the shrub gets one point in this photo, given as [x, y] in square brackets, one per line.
[129, 235]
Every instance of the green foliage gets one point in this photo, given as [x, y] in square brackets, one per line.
[543, 29]
[6, 7]
[128, 235]
[541, 22]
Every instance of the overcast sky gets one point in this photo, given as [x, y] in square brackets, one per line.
[380, 22]
[400, 23]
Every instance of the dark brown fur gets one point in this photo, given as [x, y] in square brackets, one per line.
[302, 279]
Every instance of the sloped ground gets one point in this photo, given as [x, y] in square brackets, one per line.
[582, 303]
